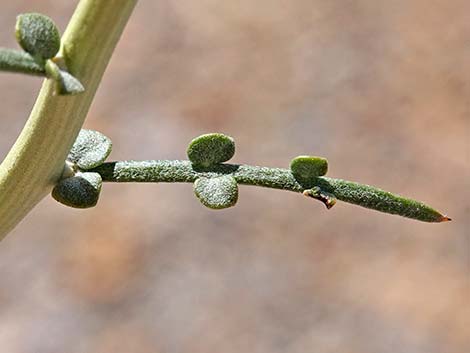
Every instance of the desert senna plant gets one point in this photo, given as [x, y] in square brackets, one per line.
[73, 66]
[216, 182]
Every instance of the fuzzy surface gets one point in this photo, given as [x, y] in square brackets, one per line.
[276, 178]
[38, 35]
[217, 193]
[210, 149]
[91, 148]
[79, 191]
[19, 61]
[304, 168]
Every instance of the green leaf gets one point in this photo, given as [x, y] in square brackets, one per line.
[69, 85]
[38, 35]
[66, 83]
[217, 193]
[19, 61]
[306, 168]
[91, 148]
[211, 149]
[79, 191]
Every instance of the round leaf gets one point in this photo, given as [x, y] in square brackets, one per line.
[79, 191]
[211, 149]
[217, 193]
[38, 35]
[306, 168]
[91, 148]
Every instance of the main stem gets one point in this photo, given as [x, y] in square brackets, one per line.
[36, 160]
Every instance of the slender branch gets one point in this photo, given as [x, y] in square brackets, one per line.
[35, 163]
[19, 61]
[277, 178]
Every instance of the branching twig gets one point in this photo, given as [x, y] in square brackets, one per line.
[35, 164]
[36, 161]
[216, 182]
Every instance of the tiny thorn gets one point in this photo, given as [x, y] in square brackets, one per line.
[328, 200]
[445, 219]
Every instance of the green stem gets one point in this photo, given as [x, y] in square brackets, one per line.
[19, 61]
[276, 178]
[35, 162]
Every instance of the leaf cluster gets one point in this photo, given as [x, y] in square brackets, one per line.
[39, 38]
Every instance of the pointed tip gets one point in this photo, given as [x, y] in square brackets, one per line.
[445, 219]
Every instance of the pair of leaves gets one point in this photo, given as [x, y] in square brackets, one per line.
[205, 152]
[39, 37]
[81, 189]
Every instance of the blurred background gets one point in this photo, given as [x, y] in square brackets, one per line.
[380, 88]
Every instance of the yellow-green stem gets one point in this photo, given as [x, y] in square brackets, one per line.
[36, 160]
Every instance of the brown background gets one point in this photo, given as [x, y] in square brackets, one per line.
[380, 88]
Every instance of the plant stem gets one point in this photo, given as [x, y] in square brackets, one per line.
[35, 162]
[276, 178]
[18, 61]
